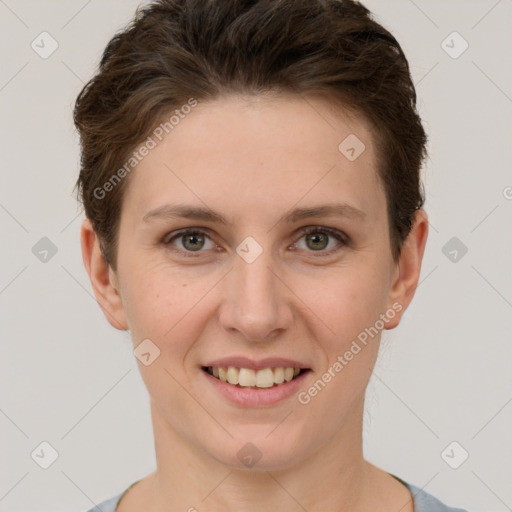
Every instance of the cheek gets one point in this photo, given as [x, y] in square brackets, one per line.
[350, 306]
[346, 303]
[161, 308]
[156, 304]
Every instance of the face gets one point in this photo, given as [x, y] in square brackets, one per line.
[248, 239]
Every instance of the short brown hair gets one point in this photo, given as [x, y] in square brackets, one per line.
[174, 50]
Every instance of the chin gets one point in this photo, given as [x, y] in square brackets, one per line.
[259, 452]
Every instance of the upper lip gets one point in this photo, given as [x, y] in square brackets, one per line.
[245, 362]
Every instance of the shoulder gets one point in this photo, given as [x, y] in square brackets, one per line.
[107, 505]
[111, 504]
[425, 502]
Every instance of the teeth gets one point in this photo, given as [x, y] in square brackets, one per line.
[265, 378]
[232, 375]
[279, 375]
[222, 374]
[246, 377]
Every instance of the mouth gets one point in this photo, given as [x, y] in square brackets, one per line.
[264, 378]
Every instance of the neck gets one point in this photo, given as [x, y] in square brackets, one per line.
[336, 477]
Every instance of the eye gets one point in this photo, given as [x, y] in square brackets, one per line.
[318, 238]
[189, 241]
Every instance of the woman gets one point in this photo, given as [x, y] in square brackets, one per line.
[251, 181]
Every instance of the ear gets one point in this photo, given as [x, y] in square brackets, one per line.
[103, 278]
[408, 269]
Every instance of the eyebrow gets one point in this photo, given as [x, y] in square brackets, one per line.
[171, 211]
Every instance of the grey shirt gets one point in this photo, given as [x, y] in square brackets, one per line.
[423, 502]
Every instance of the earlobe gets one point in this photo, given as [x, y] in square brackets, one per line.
[103, 278]
[408, 268]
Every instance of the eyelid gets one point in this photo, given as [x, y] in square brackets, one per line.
[185, 231]
[324, 229]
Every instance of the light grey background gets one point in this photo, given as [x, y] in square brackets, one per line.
[444, 375]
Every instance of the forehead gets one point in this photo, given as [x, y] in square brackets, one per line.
[252, 152]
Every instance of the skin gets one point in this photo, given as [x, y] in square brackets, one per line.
[254, 158]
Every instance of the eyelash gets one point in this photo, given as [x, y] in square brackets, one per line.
[338, 235]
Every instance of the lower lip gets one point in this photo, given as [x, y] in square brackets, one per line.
[251, 397]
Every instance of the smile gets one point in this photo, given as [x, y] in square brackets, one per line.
[249, 378]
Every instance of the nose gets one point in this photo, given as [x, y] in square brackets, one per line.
[257, 302]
